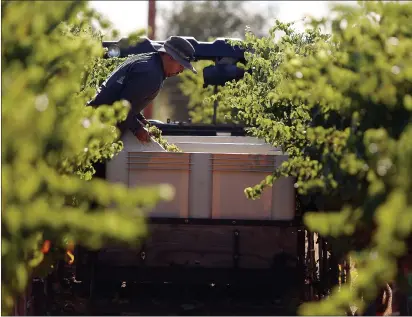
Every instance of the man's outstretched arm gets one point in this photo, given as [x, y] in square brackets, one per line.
[138, 91]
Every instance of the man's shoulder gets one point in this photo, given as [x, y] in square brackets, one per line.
[145, 63]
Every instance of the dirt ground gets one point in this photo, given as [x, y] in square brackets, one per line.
[172, 300]
[136, 299]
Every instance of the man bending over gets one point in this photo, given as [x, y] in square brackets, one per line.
[140, 78]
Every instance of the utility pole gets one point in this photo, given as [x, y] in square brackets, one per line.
[152, 19]
[151, 22]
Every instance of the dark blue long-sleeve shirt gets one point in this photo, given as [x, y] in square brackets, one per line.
[138, 80]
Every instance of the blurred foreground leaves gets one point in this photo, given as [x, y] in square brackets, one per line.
[50, 141]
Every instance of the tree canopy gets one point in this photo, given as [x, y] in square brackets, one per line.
[211, 19]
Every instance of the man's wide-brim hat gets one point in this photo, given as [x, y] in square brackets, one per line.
[181, 50]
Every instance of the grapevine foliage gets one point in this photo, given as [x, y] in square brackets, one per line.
[51, 140]
[156, 133]
[340, 106]
[200, 103]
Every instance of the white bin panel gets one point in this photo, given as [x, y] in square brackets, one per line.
[148, 168]
[231, 175]
[283, 195]
[200, 186]
[223, 144]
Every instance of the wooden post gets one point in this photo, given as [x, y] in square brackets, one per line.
[148, 111]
